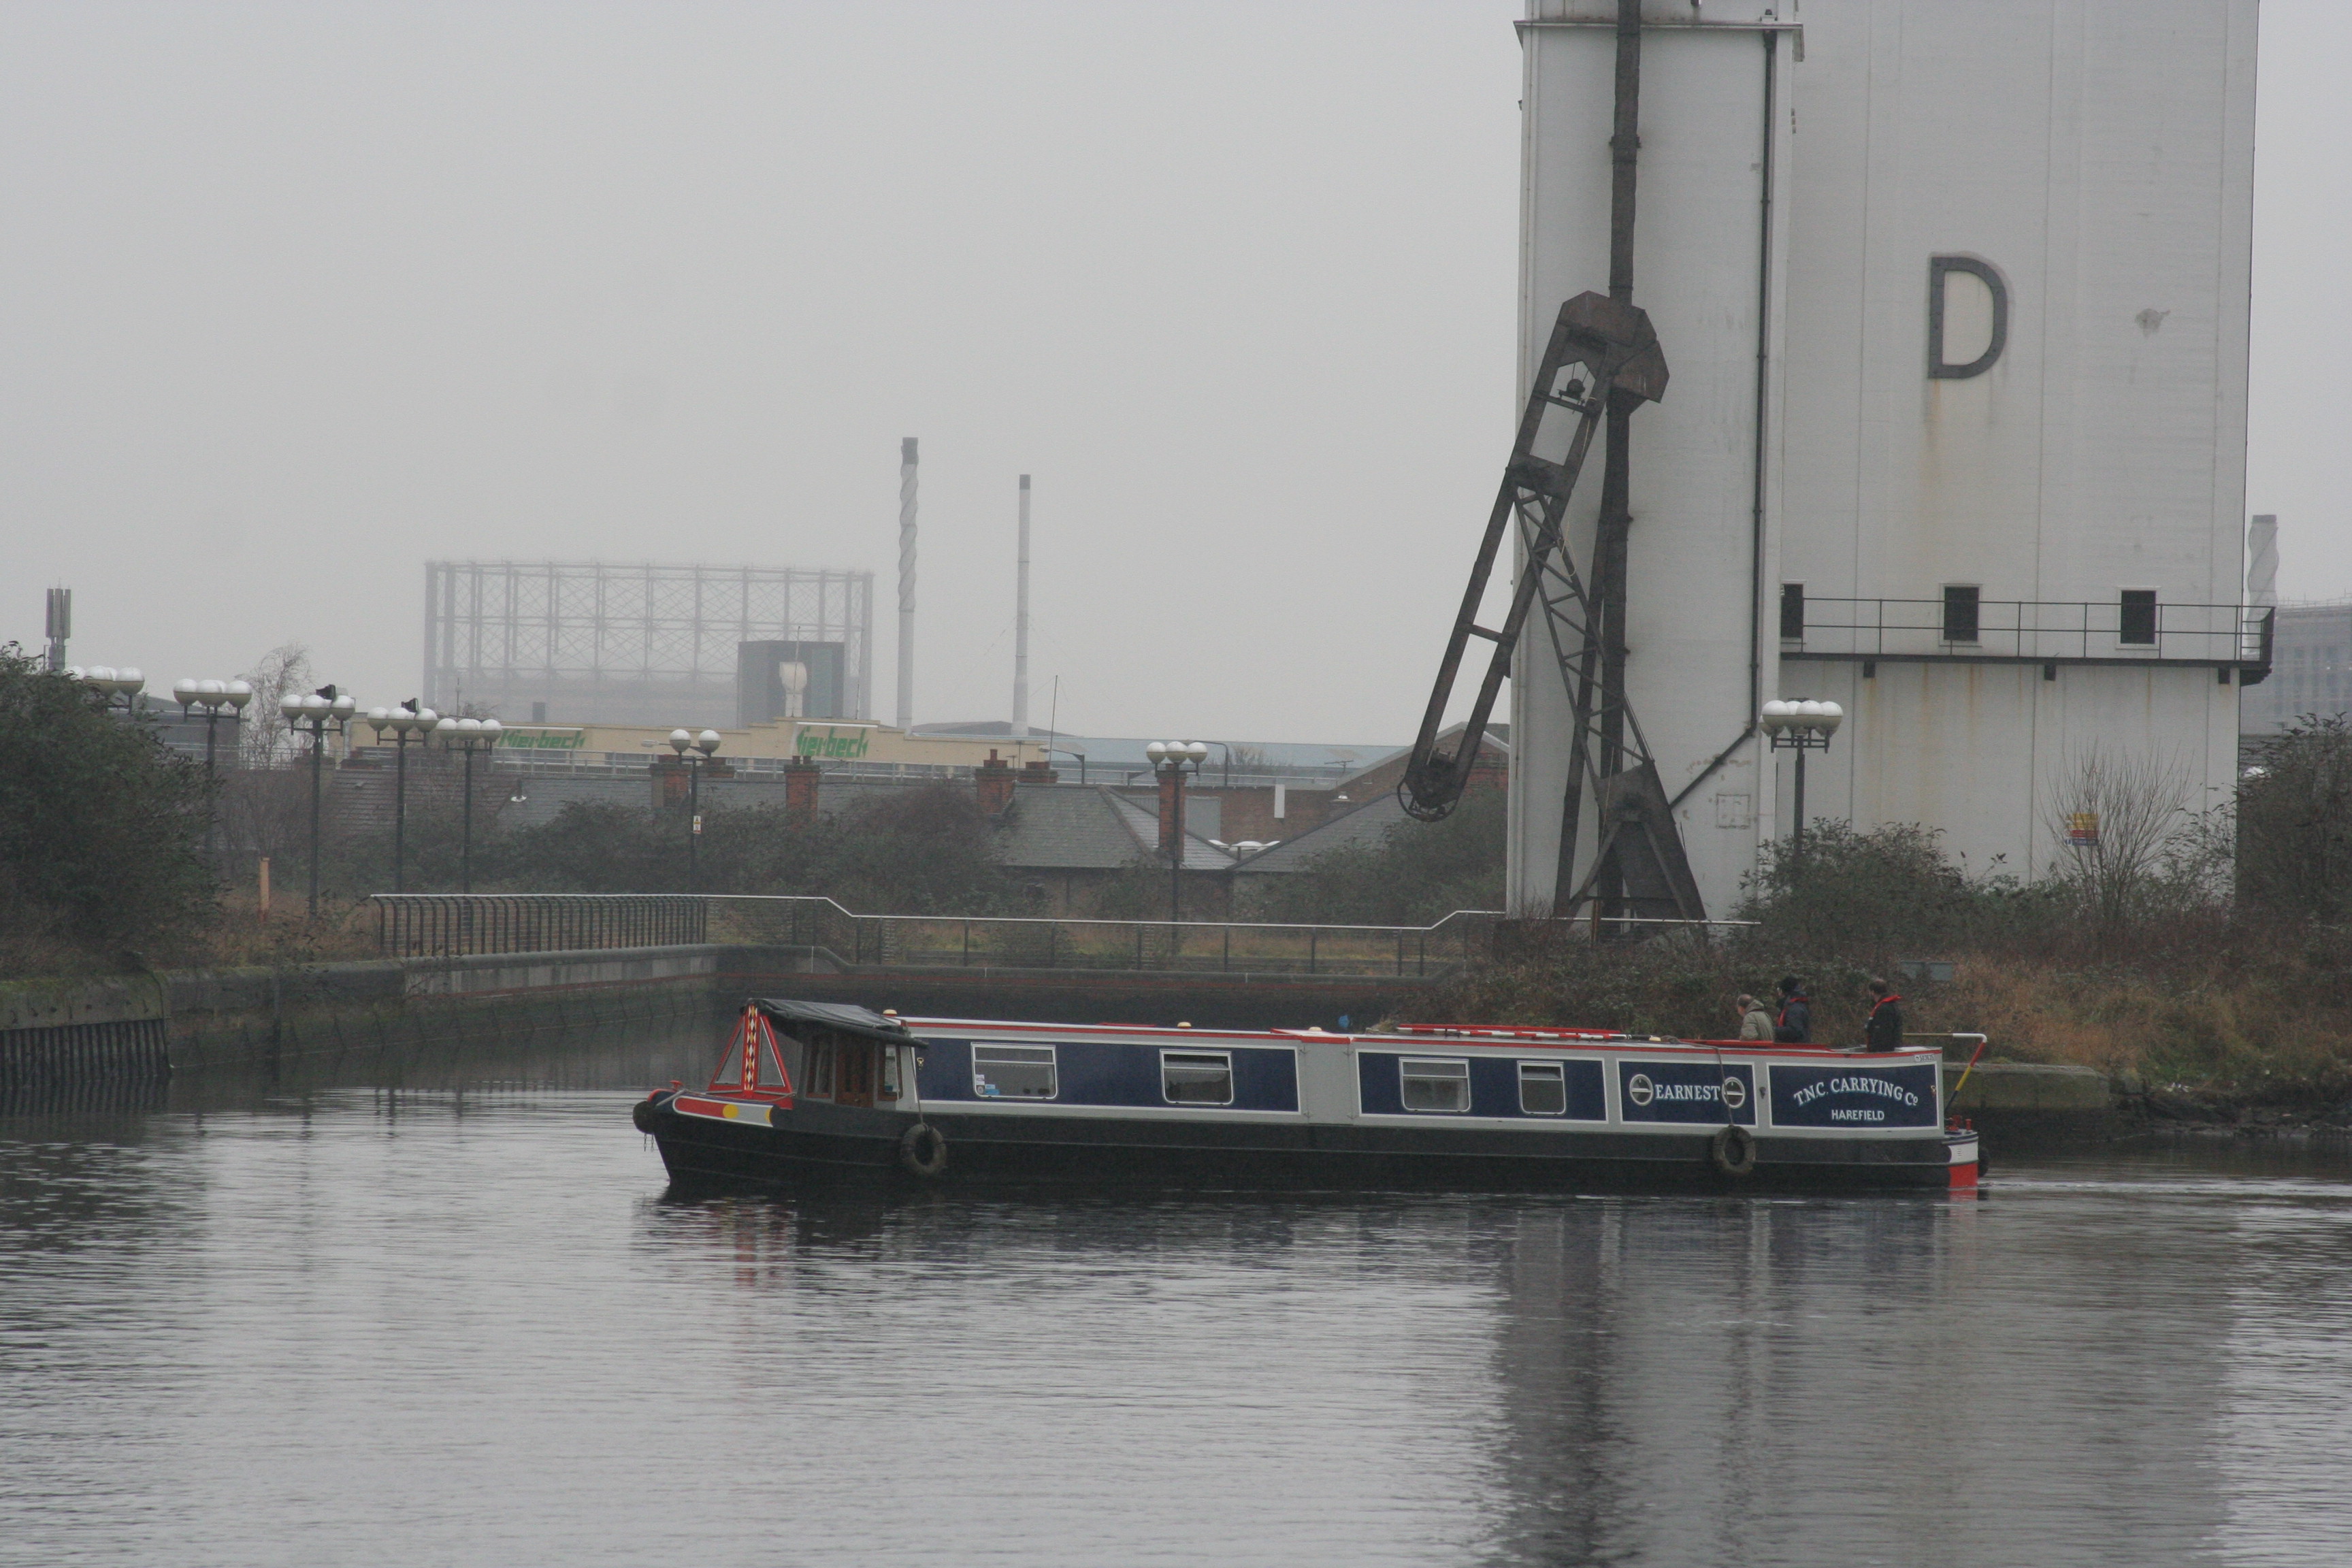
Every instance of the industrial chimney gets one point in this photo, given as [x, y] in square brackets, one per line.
[1021, 623]
[907, 583]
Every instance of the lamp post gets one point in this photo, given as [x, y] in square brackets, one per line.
[1173, 761]
[1800, 727]
[707, 744]
[473, 737]
[407, 722]
[211, 696]
[111, 683]
[320, 711]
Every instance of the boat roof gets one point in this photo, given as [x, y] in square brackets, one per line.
[1524, 1036]
[846, 1017]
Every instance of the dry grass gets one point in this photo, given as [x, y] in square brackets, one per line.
[238, 938]
[2258, 1017]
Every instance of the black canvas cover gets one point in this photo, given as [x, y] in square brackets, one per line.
[847, 1016]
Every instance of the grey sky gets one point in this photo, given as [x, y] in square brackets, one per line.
[300, 296]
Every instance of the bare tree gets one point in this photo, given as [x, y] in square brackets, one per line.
[284, 668]
[264, 811]
[2120, 821]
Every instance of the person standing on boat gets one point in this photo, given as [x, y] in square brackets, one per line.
[1794, 1026]
[1883, 1032]
[1754, 1022]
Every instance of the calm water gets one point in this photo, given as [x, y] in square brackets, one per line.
[433, 1324]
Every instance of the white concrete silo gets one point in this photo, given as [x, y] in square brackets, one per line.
[1805, 171]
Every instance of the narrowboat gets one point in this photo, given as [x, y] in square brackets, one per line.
[810, 1091]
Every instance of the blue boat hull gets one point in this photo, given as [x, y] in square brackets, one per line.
[823, 1144]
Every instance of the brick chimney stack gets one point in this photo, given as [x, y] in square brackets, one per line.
[802, 776]
[992, 781]
[1037, 773]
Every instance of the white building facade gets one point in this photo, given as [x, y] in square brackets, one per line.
[1954, 301]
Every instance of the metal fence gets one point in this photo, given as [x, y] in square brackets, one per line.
[442, 925]
[416, 925]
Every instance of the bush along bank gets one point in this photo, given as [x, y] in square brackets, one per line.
[2207, 1003]
[2233, 1045]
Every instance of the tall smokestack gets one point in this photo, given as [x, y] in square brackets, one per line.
[1021, 623]
[907, 583]
[2261, 561]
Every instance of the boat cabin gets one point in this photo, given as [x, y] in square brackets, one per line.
[786, 1051]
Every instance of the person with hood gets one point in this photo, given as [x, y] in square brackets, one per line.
[1883, 1032]
[1794, 1026]
[1754, 1022]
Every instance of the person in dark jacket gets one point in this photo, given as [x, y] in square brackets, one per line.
[1794, 1026]
[1883, 1032]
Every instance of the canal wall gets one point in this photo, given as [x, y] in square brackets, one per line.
[56, 1035]
[243, 1018]
[130, 1029]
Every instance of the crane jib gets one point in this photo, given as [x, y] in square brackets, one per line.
[1599, 348]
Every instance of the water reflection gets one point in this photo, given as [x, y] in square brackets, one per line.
[448, 1312]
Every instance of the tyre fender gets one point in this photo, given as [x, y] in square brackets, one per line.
[922, 1152]
[1733, 1150]
[648, 1111]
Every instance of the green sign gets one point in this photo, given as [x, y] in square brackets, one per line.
[831, 743]
[545, 739]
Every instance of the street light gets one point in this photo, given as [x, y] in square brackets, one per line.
[319, 711]
[211, 696]
[707, 744]
[111, 683]
[1173, 759]
[407, 722]
[1800, 727]
[471, 736]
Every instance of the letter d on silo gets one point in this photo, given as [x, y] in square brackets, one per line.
[1940, 268]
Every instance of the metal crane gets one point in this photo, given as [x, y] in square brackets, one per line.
[1603, 352]
[1603, 362]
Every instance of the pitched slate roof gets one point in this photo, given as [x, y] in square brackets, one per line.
[1143, 820]
[1089, 827]
[1366, 824]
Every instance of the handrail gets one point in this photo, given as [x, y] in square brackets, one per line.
[2077, 629]
[395, 898]
[454, 924]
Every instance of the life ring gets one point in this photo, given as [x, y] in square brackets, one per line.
[921, 1151]
[1733, 1150]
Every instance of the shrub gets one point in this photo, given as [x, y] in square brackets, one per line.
[102, 827]
[1867, 893]
[2295, 823]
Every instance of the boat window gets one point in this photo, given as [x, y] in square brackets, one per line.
[1197, 1078]
[820, 1067]
[1435, 1085]
[889, 1087]
[1012, 1072]
[1543, 1089]
[772, 1070]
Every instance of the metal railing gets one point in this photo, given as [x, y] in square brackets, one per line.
[437, 925]
[443, 925]
[2029, 630]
